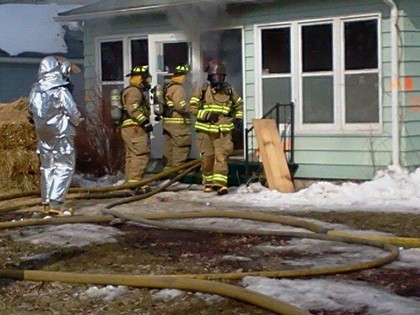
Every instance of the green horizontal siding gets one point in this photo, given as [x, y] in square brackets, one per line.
[411, 160]
[321, 171]
[351, 158]
[344, 144]
[409, 25]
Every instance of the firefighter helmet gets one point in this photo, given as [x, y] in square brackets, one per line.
[139, 70]
[182, 69]
[215, 67]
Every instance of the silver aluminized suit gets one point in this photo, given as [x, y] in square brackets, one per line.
[55, 116]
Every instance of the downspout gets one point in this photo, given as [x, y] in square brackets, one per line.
[395, 78]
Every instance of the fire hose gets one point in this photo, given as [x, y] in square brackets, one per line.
[201, 282]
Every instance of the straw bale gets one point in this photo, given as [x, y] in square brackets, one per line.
[15, 130]
[19, 170]
[14, 112]
[17, 135]
[19, 165]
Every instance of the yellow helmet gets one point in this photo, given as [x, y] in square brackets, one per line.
[139, 70]
[182, 69]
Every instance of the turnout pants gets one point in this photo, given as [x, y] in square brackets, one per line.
[177, 145]
[215, 149]
[137, 152]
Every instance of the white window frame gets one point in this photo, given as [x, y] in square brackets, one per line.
[366, 127]
[126, 55]
[338, 73]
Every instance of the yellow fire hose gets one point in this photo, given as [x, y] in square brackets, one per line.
[97, 192]
[200, 282]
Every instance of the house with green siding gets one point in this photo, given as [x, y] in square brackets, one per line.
[351, 68]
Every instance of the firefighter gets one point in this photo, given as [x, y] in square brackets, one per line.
[55, 115]
[218, 109]
[136, 126]
[176, 120]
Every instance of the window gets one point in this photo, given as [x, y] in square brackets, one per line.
[317, 72]
[175, 54]
[330, 69]
[112, 71]
[361, 75]
[276, 50]
[276, 67]
[139, 52]
[112, 61]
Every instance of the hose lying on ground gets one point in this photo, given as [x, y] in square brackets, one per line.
[193, 282]
[101, 192]
[160, 282]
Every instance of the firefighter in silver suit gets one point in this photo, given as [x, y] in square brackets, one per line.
[56, 116]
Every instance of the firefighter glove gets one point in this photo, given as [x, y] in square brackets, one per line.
[169, 112]
[239, 124]
[147, 126]
[212, 117]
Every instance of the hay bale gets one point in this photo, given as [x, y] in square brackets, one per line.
[19, 170]
[17, 135]
[19, 165]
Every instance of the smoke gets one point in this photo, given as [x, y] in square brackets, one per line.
[197, 20]
[198, 17]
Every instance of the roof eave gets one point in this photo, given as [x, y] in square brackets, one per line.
[110, 13]
[158, 8]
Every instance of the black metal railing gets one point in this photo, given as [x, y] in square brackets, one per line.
[284, 115]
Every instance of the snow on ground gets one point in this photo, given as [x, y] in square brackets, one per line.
[333, 295]
[392, 190]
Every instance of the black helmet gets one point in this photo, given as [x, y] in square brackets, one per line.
[139, 70]
[215, 67]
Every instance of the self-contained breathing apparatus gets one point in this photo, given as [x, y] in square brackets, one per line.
[161, 108]
[158, 101]
[116, 106]
[118, 113]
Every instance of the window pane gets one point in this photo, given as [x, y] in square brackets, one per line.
[112, 61]
[139, 52]
[275, 90]
[276, 50]
[317, 48]
[362, 100]
[175, 54]
[318, 100]
[361, 45]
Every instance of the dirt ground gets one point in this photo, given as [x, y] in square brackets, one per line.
[142, 250]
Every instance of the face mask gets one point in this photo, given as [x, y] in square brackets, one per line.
[216, 81]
